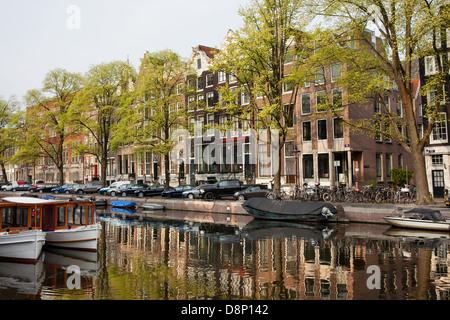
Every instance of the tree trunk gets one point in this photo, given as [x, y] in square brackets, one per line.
[61, 174]
[167, 171]
[420, 178]
[103, 166]
[5, 176]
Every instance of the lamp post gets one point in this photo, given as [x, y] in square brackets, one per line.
[296, 153]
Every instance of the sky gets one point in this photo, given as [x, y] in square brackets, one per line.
[41, 35]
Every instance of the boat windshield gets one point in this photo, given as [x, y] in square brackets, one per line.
[424, 214]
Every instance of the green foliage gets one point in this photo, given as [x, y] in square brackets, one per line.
[400, 177]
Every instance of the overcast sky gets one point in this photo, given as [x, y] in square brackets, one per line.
[40, 35]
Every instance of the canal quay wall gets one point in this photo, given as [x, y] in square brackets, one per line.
[360, 212]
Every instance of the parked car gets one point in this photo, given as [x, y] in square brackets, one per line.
[155, 190]
[130, 190]
[63, 188]
[194, 193]
[118, 190]
[112, 186]
[10, 185]
[222, 188]
[251, 192]
[177, 192]
[46, 187]
[91, 187]
[22, 187]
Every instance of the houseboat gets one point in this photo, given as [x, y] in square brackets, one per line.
[67, 224]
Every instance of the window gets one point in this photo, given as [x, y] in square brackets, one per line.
[222, 77]
[400, 161]
[322, 129]
[321, 100]
[308, 166]
[199, 83]
[379, 167]
[306, 103]
[335, 72]
[376, 106]
[180, 88]
[306, 131]
[232, 78]
[288, 85]
[209, 80]
[191, 103]
[439, 132]
[289, 115]
[245, 98]
[388, 165]
[210, 99]
[323, 165]
[437, 160]
[289, 158]
[338, 128]
[320, 76]
[199, 63]
[430, 65]
[337, 98]
[377, 127]
[200, 101]
[263, 161]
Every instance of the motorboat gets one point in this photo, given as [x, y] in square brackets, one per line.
[420, 218]
[152, 206]
[129, 205]
[271, 209]
[66, 224]
[21, 235]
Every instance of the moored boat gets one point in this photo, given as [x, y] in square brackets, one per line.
[152, 206]
[67, 224]
[129, 205]
[270, 209]
[420, 218]
[21, 235]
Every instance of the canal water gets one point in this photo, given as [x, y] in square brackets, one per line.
[197, 256]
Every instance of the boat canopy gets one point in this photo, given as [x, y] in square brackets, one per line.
[424, 214]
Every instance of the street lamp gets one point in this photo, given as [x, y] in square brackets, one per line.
[296, 153]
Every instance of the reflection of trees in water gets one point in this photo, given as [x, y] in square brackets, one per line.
[190, 261]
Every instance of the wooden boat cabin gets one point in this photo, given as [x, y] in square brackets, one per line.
[67, 215]
[18, 217]
[47, 214]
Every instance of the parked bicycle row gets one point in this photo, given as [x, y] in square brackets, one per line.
[368, 194]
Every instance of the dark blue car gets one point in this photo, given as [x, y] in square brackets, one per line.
[63, 188]
[177, 192]
[22, 187]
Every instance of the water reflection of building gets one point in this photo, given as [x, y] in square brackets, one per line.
[283, 268]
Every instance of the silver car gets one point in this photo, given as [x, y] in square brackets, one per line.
[194, 193]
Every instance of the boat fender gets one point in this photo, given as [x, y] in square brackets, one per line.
[326, 212]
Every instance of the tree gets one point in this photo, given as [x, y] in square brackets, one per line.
[107, 88]
[257, 55]
[47, 119]
[10, 131]
[156, 114]
[409, 30]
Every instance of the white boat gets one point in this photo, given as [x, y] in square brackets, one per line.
[67, 224]
[152, 206]
[420, 218]
[21, 235]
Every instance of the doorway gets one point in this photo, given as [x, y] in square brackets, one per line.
[438, 183]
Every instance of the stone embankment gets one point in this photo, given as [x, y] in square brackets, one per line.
[365, 213]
